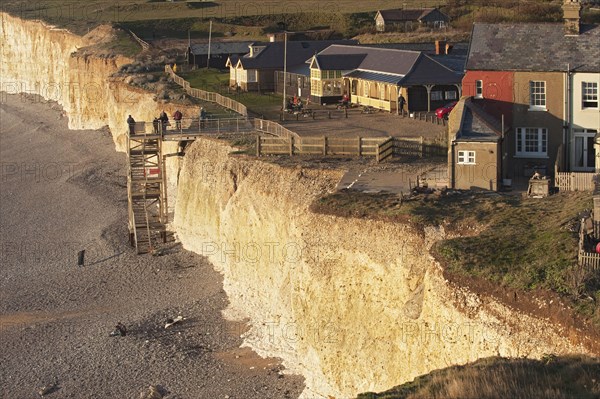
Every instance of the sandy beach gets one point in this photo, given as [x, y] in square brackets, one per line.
[64, 191]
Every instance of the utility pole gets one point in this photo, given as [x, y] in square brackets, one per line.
[284, 72]
[189, 54]
[209, 39]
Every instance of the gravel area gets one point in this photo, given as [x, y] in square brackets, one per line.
[333, 123]
[64, 191]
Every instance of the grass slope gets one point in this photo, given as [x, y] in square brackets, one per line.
[516, 242]
[549, 378]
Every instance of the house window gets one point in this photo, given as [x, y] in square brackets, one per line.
[251, 75]
[437, 95]
[532, 142]
[466, 157]
[315, 74]
[537, 94]
[589, 94]
[479, 89]
[450, 95]
[365, 89]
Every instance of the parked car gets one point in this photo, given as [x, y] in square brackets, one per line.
[442, 112]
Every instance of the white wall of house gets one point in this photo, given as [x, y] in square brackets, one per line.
[585, 119]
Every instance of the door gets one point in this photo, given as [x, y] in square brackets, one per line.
[584, 152]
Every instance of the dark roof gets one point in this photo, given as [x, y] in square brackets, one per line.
[221, 48]
[397, 62]
[297, 53]
[456, 60]
[401, 15]
[533, 47]
[409, 67]
[478, 125]
[339, 62]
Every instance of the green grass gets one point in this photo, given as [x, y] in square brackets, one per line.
[516, 242]
[123, 44]
[550, 378]
[267, 104]
[207, 79]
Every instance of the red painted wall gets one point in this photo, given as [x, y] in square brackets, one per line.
[497, 92]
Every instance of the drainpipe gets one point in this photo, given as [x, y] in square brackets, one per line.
[567, 129]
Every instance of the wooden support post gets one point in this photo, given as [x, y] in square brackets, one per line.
[324, 145]
[258, 145]
[359, 143]
[291, 145]
[422, 147]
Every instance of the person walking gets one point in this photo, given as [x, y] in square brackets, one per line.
[131, 123]
[177, 117]
[401, 102]
[202, 117]
[164, 119]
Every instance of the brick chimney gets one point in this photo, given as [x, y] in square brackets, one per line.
[571, 15]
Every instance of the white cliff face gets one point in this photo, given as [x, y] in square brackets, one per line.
[354, 305]
[39, 59]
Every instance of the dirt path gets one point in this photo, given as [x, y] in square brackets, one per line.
[63, 191]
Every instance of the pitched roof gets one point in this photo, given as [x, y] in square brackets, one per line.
[533, 47]
[297, 53]
[476, 124]
[408, 67]
[455, 60]
[221, 48]
[405, 14]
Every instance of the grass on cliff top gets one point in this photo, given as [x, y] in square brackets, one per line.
[549, 378]
[518, 242]
[123, 44]
[262, 104]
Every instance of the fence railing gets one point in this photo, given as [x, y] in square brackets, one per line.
[574, 181]
[274, 128]
[193, 126]
[589, 260]
[145, 45]
[207, 95]
[408, 146]
[295, 145]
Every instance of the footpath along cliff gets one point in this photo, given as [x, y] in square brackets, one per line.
[354, 305]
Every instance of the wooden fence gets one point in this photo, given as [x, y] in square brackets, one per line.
[589, 260]
[223, 101]
[574, 181]
[274, 128]
[294, 145]
[414, 147]
[145, 45]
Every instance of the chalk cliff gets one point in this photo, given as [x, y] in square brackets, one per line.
[354, 305]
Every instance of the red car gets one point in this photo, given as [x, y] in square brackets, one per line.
[442, 112]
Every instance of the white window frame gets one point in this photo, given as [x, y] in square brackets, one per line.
[537, 95]
[479, 89]
[450, 95]
[466, 157]
[521, 142]
[438, 94]
[589, 94]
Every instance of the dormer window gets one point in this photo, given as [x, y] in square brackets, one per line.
[255, 50]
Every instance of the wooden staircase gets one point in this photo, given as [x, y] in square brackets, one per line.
[146, 192]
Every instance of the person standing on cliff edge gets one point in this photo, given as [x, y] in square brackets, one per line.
[131, 123]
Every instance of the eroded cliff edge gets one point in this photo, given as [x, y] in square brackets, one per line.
[352, 304]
